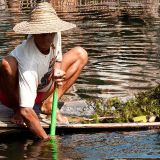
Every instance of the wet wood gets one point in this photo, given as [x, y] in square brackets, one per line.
[6, 124]
[6, 114]
[112, 125]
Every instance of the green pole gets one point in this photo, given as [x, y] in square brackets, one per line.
[54, 110]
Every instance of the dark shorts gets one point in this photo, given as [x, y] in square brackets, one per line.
[4, 100]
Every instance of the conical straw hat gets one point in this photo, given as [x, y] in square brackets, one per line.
[43, 20]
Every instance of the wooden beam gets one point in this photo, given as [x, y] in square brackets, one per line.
[6, 113]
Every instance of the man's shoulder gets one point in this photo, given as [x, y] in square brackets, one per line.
[23, 52]
[26, 43]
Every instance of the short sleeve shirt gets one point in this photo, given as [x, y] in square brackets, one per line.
[35, 68]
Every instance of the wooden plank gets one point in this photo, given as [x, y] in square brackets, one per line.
[103, 126]
[111, 125]
[6, 113]
[66, 108]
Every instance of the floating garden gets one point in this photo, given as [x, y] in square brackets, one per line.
[143, 107]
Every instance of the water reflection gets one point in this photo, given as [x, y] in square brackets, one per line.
[25, 148]
[121, 37]
[105, 145]
[116, 145]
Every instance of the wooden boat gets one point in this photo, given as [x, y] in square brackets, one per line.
[7, 126]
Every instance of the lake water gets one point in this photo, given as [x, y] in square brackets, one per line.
[122, 39]
[99, 146]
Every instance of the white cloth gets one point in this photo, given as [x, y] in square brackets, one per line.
[35, 68]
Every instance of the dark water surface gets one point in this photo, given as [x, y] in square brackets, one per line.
[122, 40]
[99, 146]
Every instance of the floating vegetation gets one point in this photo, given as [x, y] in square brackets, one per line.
[145, 106]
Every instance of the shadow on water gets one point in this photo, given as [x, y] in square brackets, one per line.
[22, 145]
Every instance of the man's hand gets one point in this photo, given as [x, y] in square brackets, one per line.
[59, 76]
[32, 121]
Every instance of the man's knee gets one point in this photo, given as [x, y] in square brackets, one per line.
[9, 66]
[82, 54]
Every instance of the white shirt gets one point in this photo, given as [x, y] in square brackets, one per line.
[35, 68]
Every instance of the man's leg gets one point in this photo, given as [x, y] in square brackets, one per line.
[9, 86]
[73, 63]
[9, 80]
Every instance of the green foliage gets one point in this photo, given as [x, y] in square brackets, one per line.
[95, 117]
[143, 104]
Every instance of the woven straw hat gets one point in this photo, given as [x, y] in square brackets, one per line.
[43, 20]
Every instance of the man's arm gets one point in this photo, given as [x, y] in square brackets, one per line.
[58, 76]
[32, 121]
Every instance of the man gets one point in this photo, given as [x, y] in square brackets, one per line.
[28, 74]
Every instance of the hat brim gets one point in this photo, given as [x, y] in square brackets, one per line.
[42, 27]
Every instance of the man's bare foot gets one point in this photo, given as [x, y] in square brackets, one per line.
[61, 119]
[17, 119]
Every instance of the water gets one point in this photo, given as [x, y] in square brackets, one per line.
[122, 39]
[124, 58]
[99, 146]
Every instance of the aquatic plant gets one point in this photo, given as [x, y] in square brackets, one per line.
[142, 104]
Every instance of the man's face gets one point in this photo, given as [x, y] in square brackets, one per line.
[44, 41]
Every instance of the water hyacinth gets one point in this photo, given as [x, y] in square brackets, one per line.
[142, 104]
